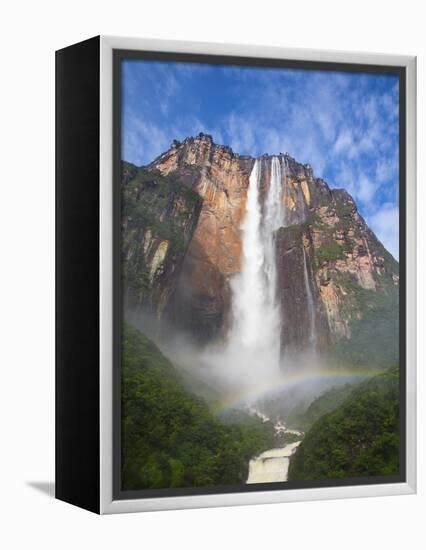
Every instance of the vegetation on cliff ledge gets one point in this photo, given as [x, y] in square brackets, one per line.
[329, 252]
[169, 437]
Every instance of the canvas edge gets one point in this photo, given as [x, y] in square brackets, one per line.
[411, 273]
[107, 504]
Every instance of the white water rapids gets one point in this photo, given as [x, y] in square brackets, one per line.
[272, 465]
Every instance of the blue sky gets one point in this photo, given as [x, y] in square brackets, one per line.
[346, 125]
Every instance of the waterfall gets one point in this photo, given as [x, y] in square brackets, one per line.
[249, 298]
[273, 220]
[255, 330]
[252, 353]
[284, 202]
[310, 303]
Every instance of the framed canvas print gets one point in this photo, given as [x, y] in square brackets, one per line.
[235, 275]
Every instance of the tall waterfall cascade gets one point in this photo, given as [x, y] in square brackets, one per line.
[256, 320]
[255, 329]
[252, 353]
[256, 311]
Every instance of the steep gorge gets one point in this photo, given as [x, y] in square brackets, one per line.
[182, 248]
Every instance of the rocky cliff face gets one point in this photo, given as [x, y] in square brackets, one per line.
[202, 299]
[182, 245]
[159, 216]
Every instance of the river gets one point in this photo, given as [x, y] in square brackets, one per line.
[272, 465]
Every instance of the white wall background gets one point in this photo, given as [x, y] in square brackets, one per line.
[30, 31]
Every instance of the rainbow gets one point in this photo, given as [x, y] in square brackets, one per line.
[285, 382]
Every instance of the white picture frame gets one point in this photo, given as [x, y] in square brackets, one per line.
[108, 504]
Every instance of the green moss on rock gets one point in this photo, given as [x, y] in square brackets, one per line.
[329, 252]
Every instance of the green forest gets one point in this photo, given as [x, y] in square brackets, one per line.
[169, 437]
[360, 437]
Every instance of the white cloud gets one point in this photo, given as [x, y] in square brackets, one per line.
[371, 111]
[345, 178]
[387, 168]
[385, 224]
[365, 189]
[241, 133]
[357, 183]
[143, 140]
[327, 124]
[344, 142]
